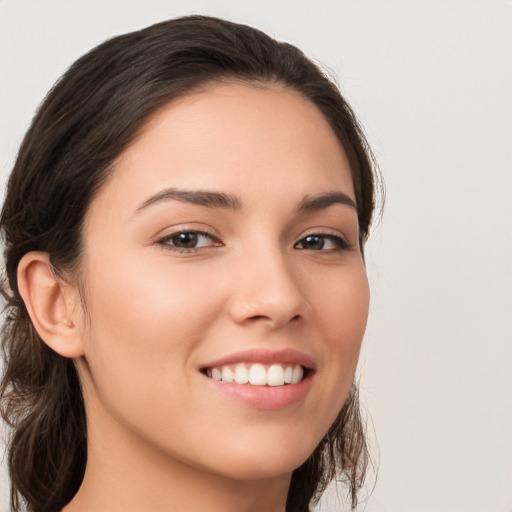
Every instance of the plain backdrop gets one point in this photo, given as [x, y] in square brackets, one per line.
[431, 82]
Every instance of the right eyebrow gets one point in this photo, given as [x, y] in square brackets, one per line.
[200, 197]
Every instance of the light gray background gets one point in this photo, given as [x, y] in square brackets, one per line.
[432, 84]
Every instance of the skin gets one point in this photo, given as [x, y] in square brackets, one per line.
[160, 437]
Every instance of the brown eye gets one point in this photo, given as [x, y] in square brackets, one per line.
[313, 242]
[322, 242]
[184, 240]
[188, 240]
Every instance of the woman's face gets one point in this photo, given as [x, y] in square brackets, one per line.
[223, 245]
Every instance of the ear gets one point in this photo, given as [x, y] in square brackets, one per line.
[51, 303]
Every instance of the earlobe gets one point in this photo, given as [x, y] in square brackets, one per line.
[51, 304]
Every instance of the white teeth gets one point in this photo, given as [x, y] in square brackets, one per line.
[275, 376]
[297, 374]
[241, 374]
[258, 374]
[227, 374]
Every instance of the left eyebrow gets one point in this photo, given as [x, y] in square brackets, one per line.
[324, 200]
[199, 197]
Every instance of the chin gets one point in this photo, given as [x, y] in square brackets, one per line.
[262, 470]
[264, 461]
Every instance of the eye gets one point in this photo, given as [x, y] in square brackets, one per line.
[322, 242]
[188, 241]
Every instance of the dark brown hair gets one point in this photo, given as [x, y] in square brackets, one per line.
[89, 117]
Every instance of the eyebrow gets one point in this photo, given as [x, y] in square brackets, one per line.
[324, 200]
[199, 197]
[211, 199]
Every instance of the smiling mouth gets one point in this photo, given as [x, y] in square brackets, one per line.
[258, 374]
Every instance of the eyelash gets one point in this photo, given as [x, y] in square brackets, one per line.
[165, 241]
[340, 243]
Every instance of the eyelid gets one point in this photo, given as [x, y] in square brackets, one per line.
[324, 232]
[327, 233]
[163, 239]
[186, 231]
[184, 227]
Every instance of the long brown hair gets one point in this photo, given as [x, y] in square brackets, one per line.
[85, 122]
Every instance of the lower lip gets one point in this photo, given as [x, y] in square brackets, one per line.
[264, 397]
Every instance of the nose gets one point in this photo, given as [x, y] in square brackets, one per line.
[268, 291]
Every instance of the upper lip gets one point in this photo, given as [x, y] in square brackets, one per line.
[264, 356]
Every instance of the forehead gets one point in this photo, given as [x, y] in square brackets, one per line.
[240, 138]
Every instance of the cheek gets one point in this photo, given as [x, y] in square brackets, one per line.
[152, 303]
[143, 327]
[342, 306]
[342, 313]
[140, 348]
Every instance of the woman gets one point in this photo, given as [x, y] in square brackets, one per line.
[184, 231]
